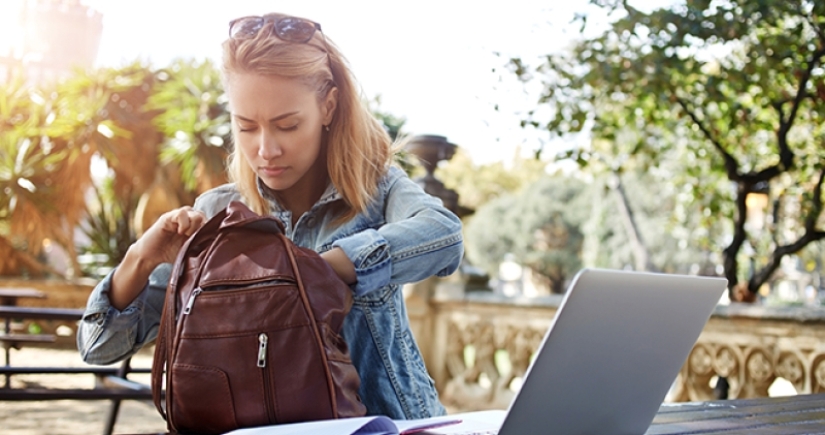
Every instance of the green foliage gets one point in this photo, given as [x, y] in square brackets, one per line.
[727, 95]
[673, 246]
[392, 123]
[109, 229]
[540, 227]
[49, 136]
[155, 130]
[192, 115]
[478, 184]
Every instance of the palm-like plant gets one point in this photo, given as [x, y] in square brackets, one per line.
[193, 117]
[41, 170]
[48, 140]
[26, 202]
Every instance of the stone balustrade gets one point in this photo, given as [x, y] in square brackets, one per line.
[752, 346]
[478, 346]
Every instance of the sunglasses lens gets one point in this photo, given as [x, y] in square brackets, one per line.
[246, 28]
[294, 29]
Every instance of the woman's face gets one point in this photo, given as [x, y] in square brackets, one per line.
[277, 125]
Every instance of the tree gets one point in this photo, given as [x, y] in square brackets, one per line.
[732, 90]
[394, 126]
[131, 167]
[192, 114]
[477, 184]
[392, 123]
[540, 227]
[163, 136]
[48, 138]
[633, 211]
[157, 131]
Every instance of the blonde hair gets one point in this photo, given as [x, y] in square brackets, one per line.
[358, 148]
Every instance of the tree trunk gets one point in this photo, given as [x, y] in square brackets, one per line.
[641, 255]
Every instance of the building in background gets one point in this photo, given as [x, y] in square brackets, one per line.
[47, 39]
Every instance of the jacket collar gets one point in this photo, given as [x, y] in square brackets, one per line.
[330, 194]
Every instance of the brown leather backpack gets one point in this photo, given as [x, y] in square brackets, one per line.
[249, 334]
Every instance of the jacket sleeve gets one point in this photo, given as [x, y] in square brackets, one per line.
[106, 335]
[420, 238]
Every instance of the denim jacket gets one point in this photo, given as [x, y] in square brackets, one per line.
[405, 236]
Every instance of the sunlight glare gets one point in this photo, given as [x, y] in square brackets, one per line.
[781, 387]
[11, 33]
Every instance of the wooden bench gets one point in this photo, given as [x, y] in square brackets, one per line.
[111, 383]
[15, 340]
[9, 297]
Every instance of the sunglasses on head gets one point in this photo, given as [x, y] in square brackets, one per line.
[291, 29]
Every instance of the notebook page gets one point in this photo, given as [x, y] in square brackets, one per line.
[373, 425]
[478, 422]
[406, 427]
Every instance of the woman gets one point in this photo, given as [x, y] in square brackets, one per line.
[308, 152]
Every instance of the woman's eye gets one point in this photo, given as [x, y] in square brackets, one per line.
[243, 129]
[289, 128]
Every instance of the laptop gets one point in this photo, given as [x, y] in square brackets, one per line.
[609, 358]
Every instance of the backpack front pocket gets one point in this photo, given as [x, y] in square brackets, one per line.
[190, 412]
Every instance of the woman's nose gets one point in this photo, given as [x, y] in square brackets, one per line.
[268, 147]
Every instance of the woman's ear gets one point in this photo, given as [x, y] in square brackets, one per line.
[329, 104]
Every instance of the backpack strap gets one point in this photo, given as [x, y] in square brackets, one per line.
[318, 340]
[166, 330]
[161, 353]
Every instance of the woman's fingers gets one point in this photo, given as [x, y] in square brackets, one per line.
[197, 219]
[184, 221]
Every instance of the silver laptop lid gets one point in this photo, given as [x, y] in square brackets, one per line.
[612, 353]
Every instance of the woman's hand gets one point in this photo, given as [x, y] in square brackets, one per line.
[159, 244]
[341, 264]
[162, 241]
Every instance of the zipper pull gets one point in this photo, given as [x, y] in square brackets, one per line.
[262, 339]
[191, 300]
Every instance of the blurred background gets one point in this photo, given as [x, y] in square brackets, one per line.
[619, 141]
[676, 137]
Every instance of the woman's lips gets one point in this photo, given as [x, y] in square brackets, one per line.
[272, 171]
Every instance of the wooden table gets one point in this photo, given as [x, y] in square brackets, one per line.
[796, 415]
[804, 414]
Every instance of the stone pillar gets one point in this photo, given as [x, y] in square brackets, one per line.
[430, 149]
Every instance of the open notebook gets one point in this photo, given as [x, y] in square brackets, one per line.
[373, 425]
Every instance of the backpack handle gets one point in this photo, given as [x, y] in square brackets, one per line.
[239, 215]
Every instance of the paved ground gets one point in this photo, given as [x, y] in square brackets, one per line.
[72, 417]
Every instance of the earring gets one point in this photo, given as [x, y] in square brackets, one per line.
[326, 127]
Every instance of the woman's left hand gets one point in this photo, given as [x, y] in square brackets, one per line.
[341, 264]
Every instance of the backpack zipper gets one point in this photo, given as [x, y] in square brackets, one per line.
[269, 401]
[248, 285]
[191, 301]
[262, 340]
